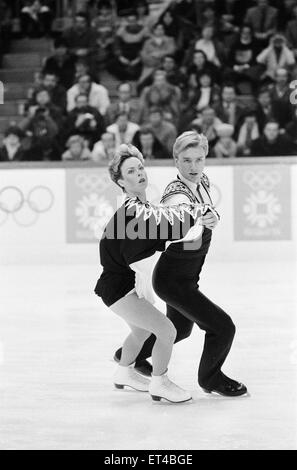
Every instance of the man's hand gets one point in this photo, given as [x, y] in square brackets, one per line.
[209, 221]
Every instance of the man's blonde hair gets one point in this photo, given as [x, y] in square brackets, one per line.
[190, 139]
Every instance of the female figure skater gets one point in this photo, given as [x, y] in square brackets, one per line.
[136, 231]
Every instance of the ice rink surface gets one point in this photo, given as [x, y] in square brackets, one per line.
[56, 346]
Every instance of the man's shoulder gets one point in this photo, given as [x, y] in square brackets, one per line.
[73, 89]
[177, 187]
[99, 88]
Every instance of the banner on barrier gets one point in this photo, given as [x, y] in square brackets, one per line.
[91, 200]
[262, 203]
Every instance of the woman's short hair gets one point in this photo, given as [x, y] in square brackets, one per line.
[190, 139]
[124, 152]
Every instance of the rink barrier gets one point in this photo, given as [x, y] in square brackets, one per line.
[56, 211]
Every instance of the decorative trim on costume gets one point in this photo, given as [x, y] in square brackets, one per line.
[178, 187]
[148, 210]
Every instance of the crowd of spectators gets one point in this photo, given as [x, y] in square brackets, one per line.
[222, 67]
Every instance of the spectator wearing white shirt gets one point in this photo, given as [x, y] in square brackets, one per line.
[97, 94]
[210, 46]
[123, 129]
[276, 55]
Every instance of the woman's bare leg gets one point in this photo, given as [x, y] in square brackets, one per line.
[144, 316]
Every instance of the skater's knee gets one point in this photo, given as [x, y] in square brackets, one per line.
[168, 333]
[184, 334]
[229, 328]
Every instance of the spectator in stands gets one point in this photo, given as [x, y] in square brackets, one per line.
[276, 55]
[213, 49]
[150, 147]
[11, 148]
[84, 120]
[5, 27]
[126, 63]
[42, 131]
[154, 50]
[61, 64]
[77, 149]
[226, 146]
[36, 19]
[209, 16]
[57, 92]
[81, 39]
[42, 102]
[263, 20]
[170, 24]
[291, 128]
[174, 75]
[248, 132]
[164, 131]
[185, 12]
[280, 96]
[97, 94]
[207, 123]
[265, 110]
[161, 94]
[82, 68]
[242, 65]
[272, 143]
[229, 110]
[123, 129]
[104, 150]
[286, 13]
[143, 13]
[231, 13]
[199, 97]
[125, 103]
[104, 25]
[291, 32]
[197, 65]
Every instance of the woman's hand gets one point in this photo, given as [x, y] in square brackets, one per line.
[209, 221]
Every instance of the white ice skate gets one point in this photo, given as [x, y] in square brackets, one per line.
[128, 377]
[162, 387]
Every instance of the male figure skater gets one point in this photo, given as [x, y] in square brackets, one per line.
[176, 275]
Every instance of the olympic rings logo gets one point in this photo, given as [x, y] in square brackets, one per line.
[92, 183]
[261, 179]
[25, 210]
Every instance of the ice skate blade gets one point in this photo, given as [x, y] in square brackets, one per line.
[122, 387]
[217, 393]
[156, 398]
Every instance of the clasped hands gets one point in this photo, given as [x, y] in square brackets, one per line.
[209, 220]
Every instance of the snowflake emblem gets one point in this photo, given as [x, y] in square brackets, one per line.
[93, 213]
[262, 209]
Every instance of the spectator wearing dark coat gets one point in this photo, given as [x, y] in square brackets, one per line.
[280, 96]
[150, 147]
[85, 121]
[241, 63]
[272, 143]
[81, 39]
[11, 149]
[229, 110]
[61, 64]
[291, 128]
[263, 18]
[291, 32]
